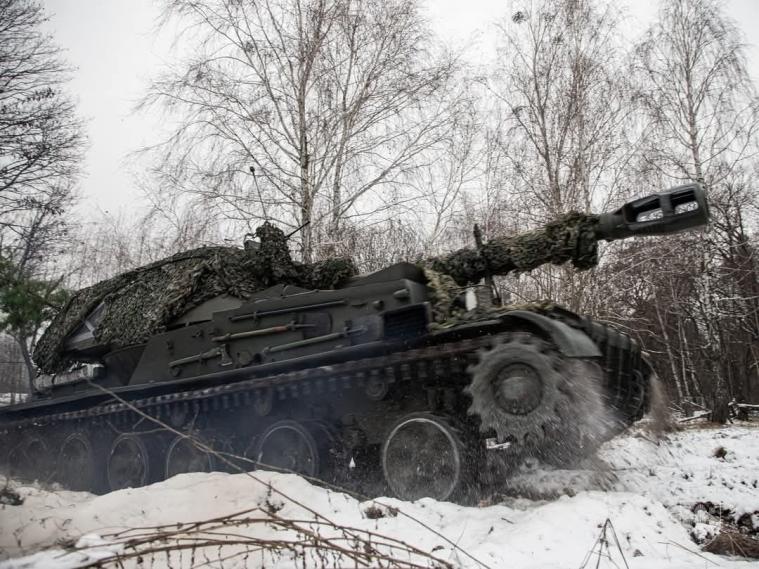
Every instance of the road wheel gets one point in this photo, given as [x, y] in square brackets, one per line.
[288, 446]
[128, 462]
[184, 456]
[32, 459]
[76, 466]
[423, 456]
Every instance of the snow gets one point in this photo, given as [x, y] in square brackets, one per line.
[6, 398]
[647, 490]
[688, 472]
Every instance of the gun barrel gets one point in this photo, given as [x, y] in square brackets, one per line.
[672, 211]
[575, 236]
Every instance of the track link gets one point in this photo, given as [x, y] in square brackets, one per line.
[442, 367]
[434, 364]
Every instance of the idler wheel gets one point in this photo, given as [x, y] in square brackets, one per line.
[128, 462]
[76, 463]
[183, 456]
[288, 446]
[422, 456]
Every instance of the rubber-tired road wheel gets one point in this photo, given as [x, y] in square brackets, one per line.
[184, 456]
[32, 459]
[423, 456]
[128, 462]
[288, 446]
[76, 468]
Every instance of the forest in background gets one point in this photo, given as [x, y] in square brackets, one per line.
[352, 116]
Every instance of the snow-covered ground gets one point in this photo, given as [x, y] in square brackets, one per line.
[647, 490]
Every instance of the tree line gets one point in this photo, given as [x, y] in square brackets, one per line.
[350, 120]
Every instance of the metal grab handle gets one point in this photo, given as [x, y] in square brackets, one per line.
[675, 210]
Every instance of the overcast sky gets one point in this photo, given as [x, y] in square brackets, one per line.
[115, 48]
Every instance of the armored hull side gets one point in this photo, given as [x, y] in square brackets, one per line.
[241, 359]
[334, 414]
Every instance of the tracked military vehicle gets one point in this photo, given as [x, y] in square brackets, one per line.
[313, 369]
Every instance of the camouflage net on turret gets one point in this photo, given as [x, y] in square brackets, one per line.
[141, 302]
[571, 238]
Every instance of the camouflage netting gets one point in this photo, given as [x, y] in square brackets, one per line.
[141, 302]
[442, 292]
[571, 238]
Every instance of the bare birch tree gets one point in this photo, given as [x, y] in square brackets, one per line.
[561, 82]
[702, 121]
[697, 93]
[41, 146]
[298, 110]
[41, 138]
[564, 117]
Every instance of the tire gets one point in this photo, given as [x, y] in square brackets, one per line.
[288, 446]
[32, 459]
[76, 467]
[129, 462]
[183, 456]
[423, 456]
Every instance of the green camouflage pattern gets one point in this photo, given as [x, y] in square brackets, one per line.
[570, 238]
[143, 301]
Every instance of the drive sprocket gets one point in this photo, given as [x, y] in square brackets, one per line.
[529, 394]
[515, 389]
[547, 404]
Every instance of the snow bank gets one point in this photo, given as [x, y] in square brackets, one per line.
[653, 488]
